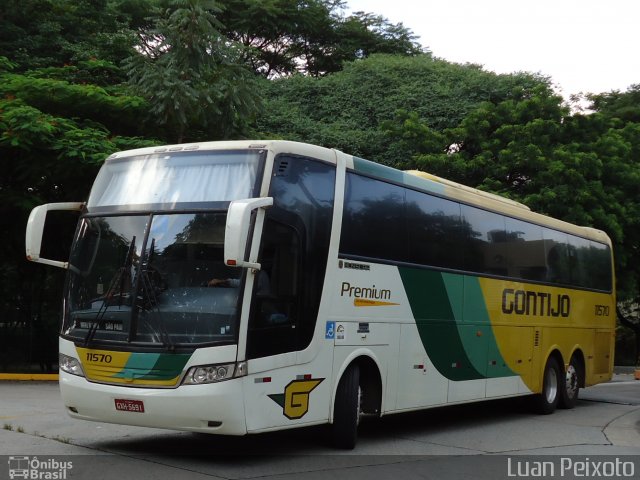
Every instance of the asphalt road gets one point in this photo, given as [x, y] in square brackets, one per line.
[493, 440]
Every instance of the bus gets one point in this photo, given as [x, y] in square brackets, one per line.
[250, 286]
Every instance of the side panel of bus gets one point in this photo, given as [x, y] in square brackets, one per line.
[290, 366]
[483, 292]
[461, 337]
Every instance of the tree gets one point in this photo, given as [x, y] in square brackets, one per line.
[350, 109]
[283, 37]
[63, 109]
[190, 74]
[616, 104]
[54, 135]
[46, 33]
[580, 168]
[622, 110]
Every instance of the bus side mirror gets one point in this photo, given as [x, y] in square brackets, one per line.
[236, 233]
[36, 228]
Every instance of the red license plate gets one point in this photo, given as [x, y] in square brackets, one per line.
[125, 405]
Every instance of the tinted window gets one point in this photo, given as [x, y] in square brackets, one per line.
[485, 235]
[294, 250]
[560, 259]
[374, 220]
[435, 231]
[592, 265]
[579, 251]
[599, 266]
[385, 221]
[525, 250]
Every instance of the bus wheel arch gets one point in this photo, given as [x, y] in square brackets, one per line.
[547, 400]
[358, 392]
[371, 385]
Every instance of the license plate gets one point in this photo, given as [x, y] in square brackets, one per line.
[125, 405]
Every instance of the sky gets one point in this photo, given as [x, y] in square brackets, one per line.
[583, 45]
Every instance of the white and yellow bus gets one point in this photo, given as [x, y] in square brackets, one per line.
[245, 287]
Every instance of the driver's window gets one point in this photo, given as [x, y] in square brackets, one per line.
[293, 254]
[275, 306]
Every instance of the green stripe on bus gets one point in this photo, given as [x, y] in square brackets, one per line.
[476, 314]
[377, 170]
[437, 325]
[153, 366]
[169, 365]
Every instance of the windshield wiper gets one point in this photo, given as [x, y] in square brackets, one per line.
[116, 287]
[147, 298]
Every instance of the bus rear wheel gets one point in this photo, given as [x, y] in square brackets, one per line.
[346, 412]
[546, 401]
[571, 386]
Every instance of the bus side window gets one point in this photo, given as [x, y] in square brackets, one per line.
[276, 286]
[293, 252]
[274, 312]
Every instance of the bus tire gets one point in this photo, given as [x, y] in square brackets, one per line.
[570, 387]
[346, 412]
[546, 401]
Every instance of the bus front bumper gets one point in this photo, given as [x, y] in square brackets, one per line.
[209, 408]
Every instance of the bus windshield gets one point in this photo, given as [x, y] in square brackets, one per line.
[153, 278]
[176, 178]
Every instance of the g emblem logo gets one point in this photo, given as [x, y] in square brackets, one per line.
[295, 400]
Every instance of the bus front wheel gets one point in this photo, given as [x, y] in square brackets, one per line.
[546, 401]
[346, 412]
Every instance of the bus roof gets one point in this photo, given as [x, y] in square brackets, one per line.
[276, 146]
[412, 178]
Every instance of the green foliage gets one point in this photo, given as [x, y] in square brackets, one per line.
[54, 135]
[198, 70]
[94, 71]
[44, 33]
[109, 106]
[349, 109]
[282, 37]
[190, 76]
[580, 168]
[622, 105]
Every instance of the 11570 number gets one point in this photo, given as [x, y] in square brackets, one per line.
[99, 357]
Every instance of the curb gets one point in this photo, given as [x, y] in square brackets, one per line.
[26, 377]
[624, 431]
[624, 369]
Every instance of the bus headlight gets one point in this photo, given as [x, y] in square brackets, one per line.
[214, 373]
[70, 365]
